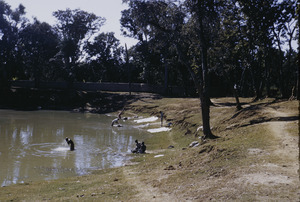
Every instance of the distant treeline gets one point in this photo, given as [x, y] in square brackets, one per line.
[223, 47]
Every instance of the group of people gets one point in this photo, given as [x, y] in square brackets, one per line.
[140, 148]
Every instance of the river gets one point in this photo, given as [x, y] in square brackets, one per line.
[33, 146]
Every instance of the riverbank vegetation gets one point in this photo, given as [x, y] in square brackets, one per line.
[255, 157]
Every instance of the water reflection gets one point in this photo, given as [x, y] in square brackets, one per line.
[33, 146]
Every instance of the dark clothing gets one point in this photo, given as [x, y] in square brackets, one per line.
[143, 148]
[138, 147]
[161, 118]
[71, 143]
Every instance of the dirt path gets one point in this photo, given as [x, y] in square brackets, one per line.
[287, 143]
[145, 192]
[277, 167]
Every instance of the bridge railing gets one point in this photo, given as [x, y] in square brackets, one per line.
[103, 86]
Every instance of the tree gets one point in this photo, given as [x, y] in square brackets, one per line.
[167, 20]
[104, 56]
[11, 23]
[291, 27]
[134, 24]
[38, 42]
[298, 55]
[226, 54]
[155, 24]
[75, 28]
[279, 32]
[206, 18]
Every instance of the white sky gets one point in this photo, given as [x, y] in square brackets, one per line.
[109, 9]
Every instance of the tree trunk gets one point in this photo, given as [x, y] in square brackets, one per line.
[281, 78]
[204, 93]
[37, 74]
[238, 104]
[256, 86]
[129, 69]
[205, 103]
[267, 74]
[166, 91]
[297, 83]
[291, 33]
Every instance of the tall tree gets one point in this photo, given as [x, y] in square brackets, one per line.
[104, 54]
[259, 18]
[167, 19]
[75, 28]
[11, 22]
[298, 49]
[206, 19]
[291, 27]
[134, 24]
[226, 54]
[38, 42]
[283, 30]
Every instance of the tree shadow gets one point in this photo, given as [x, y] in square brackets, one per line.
[25, 99]
[228, 104]
[274, 119]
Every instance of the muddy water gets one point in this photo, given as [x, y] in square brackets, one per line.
[33, 146]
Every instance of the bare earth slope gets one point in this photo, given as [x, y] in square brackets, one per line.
[263, 167]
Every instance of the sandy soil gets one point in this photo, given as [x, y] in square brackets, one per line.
[285, 149]
[146, 192]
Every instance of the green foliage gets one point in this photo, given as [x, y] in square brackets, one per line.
[11, 23]
[38, 43]
[237, 42]
[75, 27]
[104, 57]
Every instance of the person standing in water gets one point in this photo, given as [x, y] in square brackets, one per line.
[71, 143]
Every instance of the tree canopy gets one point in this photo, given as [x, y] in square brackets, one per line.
[210, 48]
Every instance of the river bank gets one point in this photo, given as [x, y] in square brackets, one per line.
[51, 99]
[251, 161]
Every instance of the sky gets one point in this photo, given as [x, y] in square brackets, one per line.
[109, 9]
